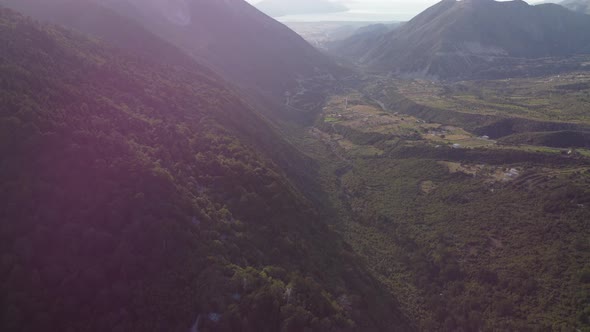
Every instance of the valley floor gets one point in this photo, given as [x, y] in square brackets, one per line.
[469, 232]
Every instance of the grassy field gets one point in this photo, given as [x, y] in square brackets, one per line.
[360, 115]
[556, 98]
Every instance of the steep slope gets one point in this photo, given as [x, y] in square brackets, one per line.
[364, 38]
[458, 38]
[233, 37]
[262, 57]
[135, 197]
[582, 6]
[278, 8]
[92, 18]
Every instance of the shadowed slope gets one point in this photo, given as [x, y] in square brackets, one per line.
[136, 197]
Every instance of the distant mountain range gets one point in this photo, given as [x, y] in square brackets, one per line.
[455, 39]
[277, 8]
[582, 6]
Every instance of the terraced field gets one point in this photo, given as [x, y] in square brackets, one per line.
[563, 97]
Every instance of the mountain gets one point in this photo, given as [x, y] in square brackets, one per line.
[277, 8]
[232, 37]
[357, 44]
[455, 39]
[92, 18]
[582, 6]
[139, 195]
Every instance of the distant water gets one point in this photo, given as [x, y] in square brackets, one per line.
[374, 10]
[369, 10]
[350, 16]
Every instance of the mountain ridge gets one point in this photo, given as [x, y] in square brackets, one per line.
[245, 46]
[457, 38]
[141, 182]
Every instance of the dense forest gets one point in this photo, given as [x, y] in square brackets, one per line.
[136, 197]
[195, 165]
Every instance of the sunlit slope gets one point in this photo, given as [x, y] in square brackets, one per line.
[233, 37]
[272, 66]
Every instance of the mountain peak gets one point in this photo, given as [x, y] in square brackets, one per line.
[457, 38]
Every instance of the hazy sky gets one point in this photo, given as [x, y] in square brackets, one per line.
[380, 5]
[379, 9]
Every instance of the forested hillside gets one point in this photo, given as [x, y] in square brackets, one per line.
[136, 197]
[272, 66]
[471, 234]
[90, 17]
[194, 165]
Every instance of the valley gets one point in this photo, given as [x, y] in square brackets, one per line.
[469, 232]
[197, 165]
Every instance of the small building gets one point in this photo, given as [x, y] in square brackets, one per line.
[573, 152]
[513, 172]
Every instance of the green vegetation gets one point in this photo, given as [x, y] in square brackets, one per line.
[141, 193]
[477, 237]
[331, 119]
[561, 97]
[469, 237]
[137, 196]
[559, 139]
[479, 221]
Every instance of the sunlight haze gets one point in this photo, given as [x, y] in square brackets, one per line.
[294, 165]
[370, 10]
